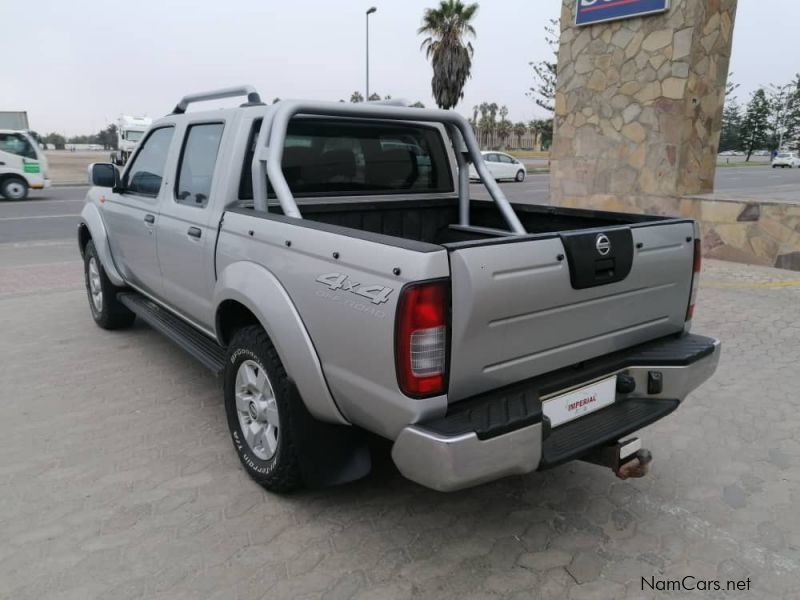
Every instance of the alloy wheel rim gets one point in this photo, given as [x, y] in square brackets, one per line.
[95, 289]
[257, 409]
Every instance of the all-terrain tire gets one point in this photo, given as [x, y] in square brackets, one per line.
[107, 311]
[280, 472]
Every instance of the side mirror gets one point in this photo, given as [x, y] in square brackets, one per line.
[104, 175]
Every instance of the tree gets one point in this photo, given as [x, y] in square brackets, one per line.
[492, 122]
[56, 140]
[483, 124]
[373, 97]
[543, 92]
[503, 131]
[519, 130]
[730, 86]
[784, 119]
[451, 58]
[418, 104]
[729, 138]
[108, 137]
[356, 97]
[754, 131]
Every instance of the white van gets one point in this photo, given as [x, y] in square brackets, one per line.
[23, 165]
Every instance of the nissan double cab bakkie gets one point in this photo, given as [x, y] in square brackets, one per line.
[328, 262]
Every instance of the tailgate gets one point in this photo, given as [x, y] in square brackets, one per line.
[519, 311]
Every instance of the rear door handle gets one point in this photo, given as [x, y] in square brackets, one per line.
[149, 219]
[194, 232]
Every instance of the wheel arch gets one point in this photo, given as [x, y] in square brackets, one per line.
[247, 293]
[91, 227]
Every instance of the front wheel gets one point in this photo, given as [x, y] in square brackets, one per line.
[261, 418]
[107, 311]
[14, 188]
[520, 176]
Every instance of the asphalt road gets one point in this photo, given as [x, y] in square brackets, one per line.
[52, 214]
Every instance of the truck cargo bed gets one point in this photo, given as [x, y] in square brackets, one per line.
[434, 221]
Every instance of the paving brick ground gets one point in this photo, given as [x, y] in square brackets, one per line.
[118, 479]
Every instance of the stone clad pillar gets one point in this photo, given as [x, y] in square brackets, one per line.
[638, 107]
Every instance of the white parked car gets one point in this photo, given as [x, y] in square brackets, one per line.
[786, 159]
[501, 165]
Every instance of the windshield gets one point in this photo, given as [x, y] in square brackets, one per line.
[133, 135]
[16, 143]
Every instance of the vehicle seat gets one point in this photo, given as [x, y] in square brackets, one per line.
[392, 169]
[337, 166]
[296, 163]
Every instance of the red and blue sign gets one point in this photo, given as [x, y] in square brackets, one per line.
[598, 11]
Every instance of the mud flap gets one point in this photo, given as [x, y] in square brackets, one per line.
[331, 454]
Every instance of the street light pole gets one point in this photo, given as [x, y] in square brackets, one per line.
[371, 10]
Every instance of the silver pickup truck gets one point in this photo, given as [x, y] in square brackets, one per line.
[327, 261]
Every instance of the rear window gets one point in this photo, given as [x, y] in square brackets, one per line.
[324, 157]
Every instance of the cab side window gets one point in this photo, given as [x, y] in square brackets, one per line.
[196, 166]
[18, 144]
[145, 175]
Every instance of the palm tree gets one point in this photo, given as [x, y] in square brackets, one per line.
[446, 28]
[503, 131]
[492, 123]
[520, 129]
[483, 124]
[356, 97]
[533, 128]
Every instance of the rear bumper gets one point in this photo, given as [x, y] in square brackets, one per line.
[504, 432]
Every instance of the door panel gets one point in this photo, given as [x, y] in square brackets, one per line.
[186, 234]
[131, 216]
[493, 164]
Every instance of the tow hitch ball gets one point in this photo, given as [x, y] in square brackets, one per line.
[626, 458]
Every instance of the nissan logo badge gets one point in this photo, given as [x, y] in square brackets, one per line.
[602, 244]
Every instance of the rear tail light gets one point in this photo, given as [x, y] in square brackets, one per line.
[421, 339]
[698, 263]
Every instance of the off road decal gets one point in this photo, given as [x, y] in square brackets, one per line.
[377, 294]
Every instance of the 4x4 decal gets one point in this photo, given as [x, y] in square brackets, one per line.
[377, 294]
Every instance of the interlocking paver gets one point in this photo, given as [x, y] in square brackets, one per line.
[117, 479]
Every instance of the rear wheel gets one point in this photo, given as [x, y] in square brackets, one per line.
[107, 311]
[14, 188]
[261, 418]
[520, 176]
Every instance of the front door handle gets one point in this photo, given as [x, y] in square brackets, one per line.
[194, 232]
[149, 219]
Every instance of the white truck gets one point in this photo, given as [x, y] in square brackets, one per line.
[23, 165]
[130, 130]
[341, 283]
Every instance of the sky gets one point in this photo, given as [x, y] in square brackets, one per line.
[76, 66]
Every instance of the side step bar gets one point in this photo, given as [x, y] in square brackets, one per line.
[210, 354]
